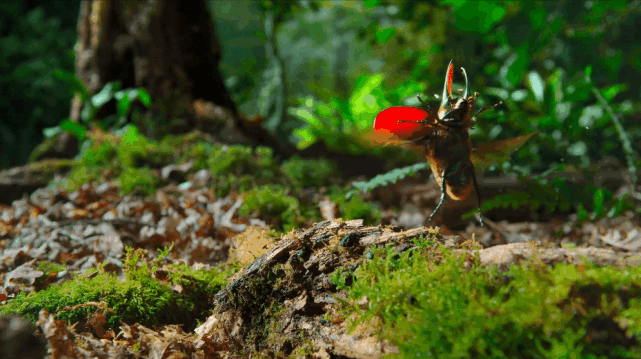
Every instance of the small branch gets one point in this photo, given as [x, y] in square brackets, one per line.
[625, 141]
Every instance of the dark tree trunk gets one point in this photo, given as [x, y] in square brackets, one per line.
[168, 47]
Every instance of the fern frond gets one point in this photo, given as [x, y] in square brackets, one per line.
[386, 178]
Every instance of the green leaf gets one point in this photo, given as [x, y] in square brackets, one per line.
[514, 68]
[306, 138]
[73, 81]
[613, 90]
[478, 16]
[86, 115]
[384, 35]
[537, 18]
[76, 129]
[581, 213]
[366, 100]
[144, 97]
[537, 85]
[123, 106]
[369, 4]
[455, 3]
[51, 131]
[578, 149]
[588, 73]
[599, 200]
[105, 95]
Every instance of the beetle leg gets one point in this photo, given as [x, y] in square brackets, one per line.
[482, 109]
[478, 194]
[442, 195]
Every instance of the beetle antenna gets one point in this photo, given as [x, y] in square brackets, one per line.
[483, 109]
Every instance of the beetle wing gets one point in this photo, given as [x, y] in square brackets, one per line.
[488, 154]
[387, 123]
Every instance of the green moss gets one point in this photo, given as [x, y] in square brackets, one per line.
[308, 173]
[140, 298]
[141, 179]
[355, 207]
[532, 311]
[50, 267]
[132, 147]
[200, 154]
[238, 168]
[272, 191]
[272, 201]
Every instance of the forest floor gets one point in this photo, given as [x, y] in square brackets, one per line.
[190, 270]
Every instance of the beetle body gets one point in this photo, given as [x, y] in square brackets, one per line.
[443, 136]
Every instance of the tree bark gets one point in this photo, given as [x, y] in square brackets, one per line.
[168, 47]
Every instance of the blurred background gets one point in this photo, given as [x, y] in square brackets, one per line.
[320, 71]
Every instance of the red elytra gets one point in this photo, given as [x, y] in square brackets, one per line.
[387, 122]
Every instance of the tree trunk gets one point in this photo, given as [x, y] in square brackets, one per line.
[168, 47]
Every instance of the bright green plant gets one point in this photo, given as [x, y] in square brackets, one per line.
[93, 103]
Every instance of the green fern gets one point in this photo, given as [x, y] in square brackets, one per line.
[590, 202]
[386, 178]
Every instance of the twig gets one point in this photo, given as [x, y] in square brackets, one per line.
[625, 141]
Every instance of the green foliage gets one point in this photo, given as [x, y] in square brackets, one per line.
[93, 103]
[559, 194]
[139, 299]
[604, 205]
[533, 57]
[36, 39]
[455, 308]
[272, 201]
[304, 173]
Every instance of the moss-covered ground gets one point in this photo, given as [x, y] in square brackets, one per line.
[430, 301]
[150, 294]
[434, 302]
